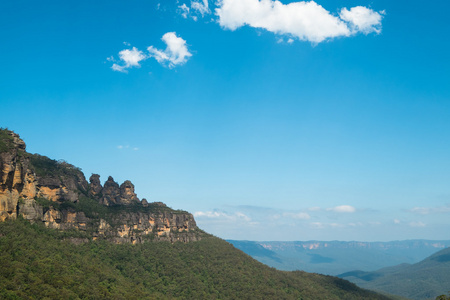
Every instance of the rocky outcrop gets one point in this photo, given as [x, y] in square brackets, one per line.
[110, 192]
[162, 226]
[40, 189]
[27, 176]
[17, 180]
[95, 187]
[127, 194]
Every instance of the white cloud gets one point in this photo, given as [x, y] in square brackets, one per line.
[129, 58]
[176, 52]
[198, 8]
[343, 209]
[201, 8]
[357, 224]
[306, 21]
[299, 216]
[362, 19]
[397, 221]
[374, 223]
[120, 147]
[222, 215]
[315, 208]
[430, 210]
[317, 225]
[184, 10]
[417, 224]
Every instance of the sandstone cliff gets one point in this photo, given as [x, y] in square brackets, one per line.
[57, 194]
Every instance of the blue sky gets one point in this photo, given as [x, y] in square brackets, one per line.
[324, 120]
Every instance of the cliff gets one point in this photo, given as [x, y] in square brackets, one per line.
[57, 194]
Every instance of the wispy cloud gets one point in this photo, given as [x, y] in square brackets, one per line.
[184, 10]
[417, 224]
[362, 19]
[197, 9]
[306, 21]
[201, 7]
[222, 215]
[129, 58]
[342, 209]
[298, 216]
[430, 210]
[121, 147]
[175, 54]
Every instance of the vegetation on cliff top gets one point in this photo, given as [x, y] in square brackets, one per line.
[38, 263]
[6, 141]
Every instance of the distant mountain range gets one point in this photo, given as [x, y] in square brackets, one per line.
[336, 257]
[424, 280]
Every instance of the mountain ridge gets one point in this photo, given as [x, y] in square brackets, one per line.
[426, 279]
[337, 257]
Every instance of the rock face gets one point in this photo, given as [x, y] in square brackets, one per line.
[111, 192]
[17, 180]
[127, 194]
[57, 194]
[95, 186]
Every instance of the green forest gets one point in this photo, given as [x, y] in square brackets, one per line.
[41, 263]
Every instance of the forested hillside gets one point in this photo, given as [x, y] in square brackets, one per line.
[424, 280]
[39, 263]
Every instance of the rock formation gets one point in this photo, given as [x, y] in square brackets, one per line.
[110, 193]
[95, 187]
[57, 194]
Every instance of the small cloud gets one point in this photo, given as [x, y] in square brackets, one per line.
[126, 44]
[337, 225]
[200, 7]
[122, 147]
[316, 208]
[317, 225]
[362, 19]
[343, 209]
[222, 215]
[176, 52]
[374, 223]
[129, 58]
[397, 221]
[298, 216]
[290, 41]
[430, 210]
[184, 10]
[417, 224]
[357, 224]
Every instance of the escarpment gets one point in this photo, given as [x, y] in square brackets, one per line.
[57, 194]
